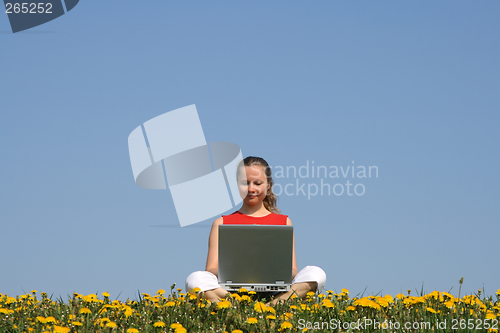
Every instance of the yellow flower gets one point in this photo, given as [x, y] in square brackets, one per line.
[270, 309]
[243, 290]
[311, 293]
[271, 317]
[293, 296]
[251, 292]
[237, 331]
[160, 292]
[128, 311]
[180, 330]
[327, 303]
[90, 298]
[449, 304]
[111, 324]
[490, 315]
[196, 290]
[382, 301]
[293, 307]
[85, 311]
[447, 294]
[10, 300]
[105, 294]
[175, 325]
[498, 292]
[350, 308]
[170, 303]
[431, 310]
[345, 291]
[389, 299]
[224, 304]
[60, 329]
[285, 325]
[34, 291]
[435, 294]
[105, 308]
[76, 323]
[50, 319]
[362, 301]
[246, 298]
[159, 324]
[260, 307]
[411, 300]
[132, 330]
[252, 320]
[481, 305]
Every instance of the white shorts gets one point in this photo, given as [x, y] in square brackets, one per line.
[208, 281]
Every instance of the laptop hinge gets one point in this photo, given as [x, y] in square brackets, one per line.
[280, 282]
[229, 281]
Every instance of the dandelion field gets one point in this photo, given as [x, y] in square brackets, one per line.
[243, 312]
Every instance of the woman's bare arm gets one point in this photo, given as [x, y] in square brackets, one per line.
[294, 259]
[213, 248]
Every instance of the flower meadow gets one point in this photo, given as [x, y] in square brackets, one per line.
[245, 312]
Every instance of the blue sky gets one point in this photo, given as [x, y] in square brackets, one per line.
[408, 87]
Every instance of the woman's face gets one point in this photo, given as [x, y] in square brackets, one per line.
[253, 184]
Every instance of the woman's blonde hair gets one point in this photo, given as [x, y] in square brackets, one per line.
[271, 199]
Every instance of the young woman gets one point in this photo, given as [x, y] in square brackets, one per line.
[259, 207]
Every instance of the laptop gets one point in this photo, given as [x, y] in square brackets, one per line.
[255, 257]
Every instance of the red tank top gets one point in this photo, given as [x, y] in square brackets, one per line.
[240, 218]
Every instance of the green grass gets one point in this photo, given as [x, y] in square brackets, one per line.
[180, 312]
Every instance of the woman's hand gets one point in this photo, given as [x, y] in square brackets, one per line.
[213, 248]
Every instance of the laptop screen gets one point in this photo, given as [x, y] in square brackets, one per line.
[255, 254]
